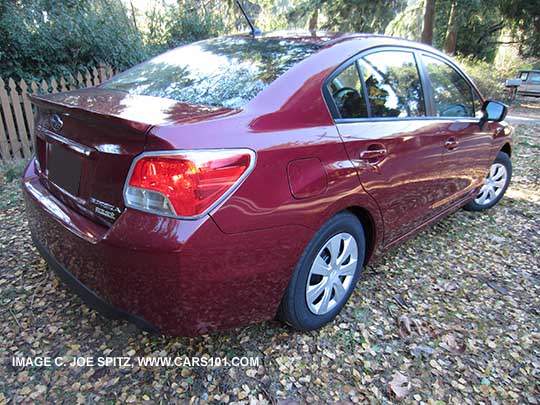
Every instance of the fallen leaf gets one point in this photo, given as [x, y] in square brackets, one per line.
[399, 386]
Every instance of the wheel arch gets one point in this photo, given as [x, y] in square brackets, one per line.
[507, 149]
[365, 208]
[368, 224]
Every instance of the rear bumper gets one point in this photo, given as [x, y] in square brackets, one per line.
[88, 296]
[178, 277]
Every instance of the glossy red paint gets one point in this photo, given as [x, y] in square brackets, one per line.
[307, 178]
[231, 267]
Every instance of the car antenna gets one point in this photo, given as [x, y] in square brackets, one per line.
[254, 30]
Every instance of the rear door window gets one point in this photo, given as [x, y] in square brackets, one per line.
[346, 91]
[393, 84]
[452, 94]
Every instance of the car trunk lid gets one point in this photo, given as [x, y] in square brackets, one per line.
[86, 141]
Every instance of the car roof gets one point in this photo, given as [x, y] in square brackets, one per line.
[327, 39]
[324, 38]
[335, 49]
[530, 70]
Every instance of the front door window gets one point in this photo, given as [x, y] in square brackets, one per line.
[393, 84]
[452, 94]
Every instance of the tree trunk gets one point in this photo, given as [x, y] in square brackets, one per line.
[427, 27]
[133, 15]
[313, 20]
[451, 31]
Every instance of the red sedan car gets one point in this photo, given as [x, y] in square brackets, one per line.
[242, 178]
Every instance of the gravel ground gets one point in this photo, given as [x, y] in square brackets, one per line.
[451, 316]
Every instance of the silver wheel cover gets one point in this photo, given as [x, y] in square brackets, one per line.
[332, 272]
[493, 186]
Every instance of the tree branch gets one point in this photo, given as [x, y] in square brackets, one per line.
[491, 30]
[503, 42]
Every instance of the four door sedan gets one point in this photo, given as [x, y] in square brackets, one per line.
[238, 179]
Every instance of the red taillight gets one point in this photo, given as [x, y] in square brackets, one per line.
[187, 183]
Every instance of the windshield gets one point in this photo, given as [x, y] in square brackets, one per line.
[225, 72]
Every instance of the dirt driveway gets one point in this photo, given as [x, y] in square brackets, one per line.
[451, 316]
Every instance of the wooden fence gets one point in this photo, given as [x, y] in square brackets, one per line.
[17, 112]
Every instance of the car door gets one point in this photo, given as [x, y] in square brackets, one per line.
[456, 107]
[379, 109]
[523, 87]
[533, 84]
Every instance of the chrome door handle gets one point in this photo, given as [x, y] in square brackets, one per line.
[372, 154]
[451, 144]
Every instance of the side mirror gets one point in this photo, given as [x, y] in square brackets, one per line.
[493, 111]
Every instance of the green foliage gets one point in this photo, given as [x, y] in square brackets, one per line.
[349, 15]
[13, 170]
[10, 177]
[407, 23]
[46, 38]
[479, 25]
[523, 17]
[490, 81]
[490, 77]
[362, 16]
[42, 38]
[176, 25]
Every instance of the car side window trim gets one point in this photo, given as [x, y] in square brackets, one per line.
[424, 79]
[363, 84]
[387, 119]
[354, 59]
[429, 100]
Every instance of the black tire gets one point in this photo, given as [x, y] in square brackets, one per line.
[475, 205]
[294, 309]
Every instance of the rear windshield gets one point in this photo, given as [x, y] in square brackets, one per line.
[225, 72]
